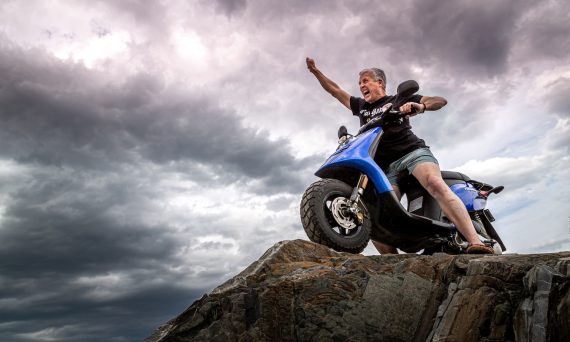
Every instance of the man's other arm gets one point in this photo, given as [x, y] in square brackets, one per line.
[433, 102]
[430, 103]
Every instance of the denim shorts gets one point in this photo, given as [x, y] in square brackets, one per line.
[405, 165]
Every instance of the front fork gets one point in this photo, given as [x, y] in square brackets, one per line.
[357, 206]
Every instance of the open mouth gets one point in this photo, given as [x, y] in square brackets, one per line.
[365, 92]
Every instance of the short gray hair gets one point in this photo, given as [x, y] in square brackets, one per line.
[377, 74]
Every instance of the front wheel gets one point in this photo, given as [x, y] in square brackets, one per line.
[327, 219]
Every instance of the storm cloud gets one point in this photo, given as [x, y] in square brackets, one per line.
[85, 160]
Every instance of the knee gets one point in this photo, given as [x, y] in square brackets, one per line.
[436, 186]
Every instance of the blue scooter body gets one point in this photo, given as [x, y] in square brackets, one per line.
[356, 154]
[392, 223]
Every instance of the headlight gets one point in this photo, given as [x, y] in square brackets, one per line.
[479, 203]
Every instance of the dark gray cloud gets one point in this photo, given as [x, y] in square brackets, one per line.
[463, 39]
[556, 97]
[455, 40]
[55, 114]
[149, 17]
[85, 207]
[544, 32]
[452, 43]
[63, 219]
[78, 319]
[464, 116]
[230, 7]
[62, 227]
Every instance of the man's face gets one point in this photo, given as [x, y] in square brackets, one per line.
[370, 88]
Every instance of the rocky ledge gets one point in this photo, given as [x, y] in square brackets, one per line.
[301, 291]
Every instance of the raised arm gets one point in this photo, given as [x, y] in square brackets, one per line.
[330, 86]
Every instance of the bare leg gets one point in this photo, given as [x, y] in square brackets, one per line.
[397, 191]
[429, 176]
[382, 247]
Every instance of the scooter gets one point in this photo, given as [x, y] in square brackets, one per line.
[344, 211]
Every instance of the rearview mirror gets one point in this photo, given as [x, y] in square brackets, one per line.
[342, 131]
[408, 88]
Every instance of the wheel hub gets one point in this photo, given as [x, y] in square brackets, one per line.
[341, 213]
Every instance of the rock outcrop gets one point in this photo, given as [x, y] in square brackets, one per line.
[301, 291]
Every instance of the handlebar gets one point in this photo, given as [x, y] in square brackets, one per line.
[381, 119]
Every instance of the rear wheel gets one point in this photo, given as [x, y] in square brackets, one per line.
[327, 219]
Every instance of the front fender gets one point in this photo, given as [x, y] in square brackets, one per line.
[357, 155]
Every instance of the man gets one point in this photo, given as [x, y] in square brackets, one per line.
[400, 150]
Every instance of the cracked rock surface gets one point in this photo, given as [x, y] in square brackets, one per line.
[302, 291]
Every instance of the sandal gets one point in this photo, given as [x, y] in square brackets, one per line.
[479, 249]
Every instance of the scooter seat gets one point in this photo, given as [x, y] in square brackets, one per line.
[454, 175]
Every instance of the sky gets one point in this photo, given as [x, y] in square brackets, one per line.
[151, 150]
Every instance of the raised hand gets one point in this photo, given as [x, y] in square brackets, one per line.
[311, 64]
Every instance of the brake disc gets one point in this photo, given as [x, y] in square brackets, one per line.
[341, 213]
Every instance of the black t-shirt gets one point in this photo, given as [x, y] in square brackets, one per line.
[398, 140]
